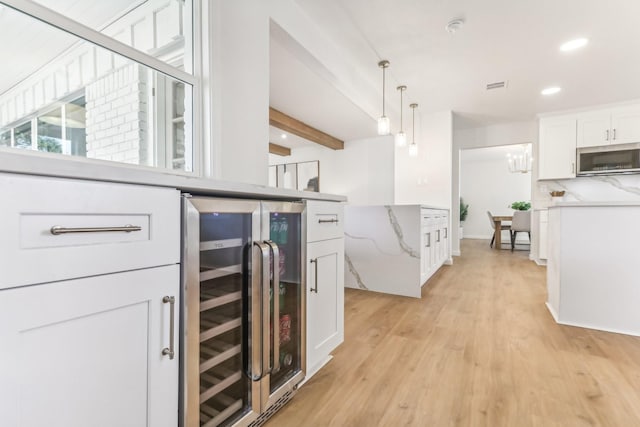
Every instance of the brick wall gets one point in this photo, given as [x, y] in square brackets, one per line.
[116, 118]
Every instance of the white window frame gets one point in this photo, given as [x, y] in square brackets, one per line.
[63, 23]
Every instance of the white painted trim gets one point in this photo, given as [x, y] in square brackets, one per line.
[68, 25]
[552, 311]
[597, 328]
[541, 262]
[478, 237]
[455, 253]
[315, 369]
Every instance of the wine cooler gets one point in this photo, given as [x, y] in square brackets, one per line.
[243, 326]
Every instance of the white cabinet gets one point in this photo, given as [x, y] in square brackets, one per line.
[434, 241]
[88, 352]
[619, 125]
[325, 282]
[557, 148]
[89, 298]
[325, 300]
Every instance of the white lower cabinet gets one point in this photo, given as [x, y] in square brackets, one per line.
[435, 241]
[89, 351]
[325, 301]
[325, 282]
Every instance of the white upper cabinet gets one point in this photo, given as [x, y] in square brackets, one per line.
[625, 123]
[620, 125]
[557, 148]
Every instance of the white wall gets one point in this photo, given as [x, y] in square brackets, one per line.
[238, 94]
[487, 185]
[363, 171]
[476, 137]
[426, 179]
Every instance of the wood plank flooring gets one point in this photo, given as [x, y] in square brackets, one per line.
[479, 349]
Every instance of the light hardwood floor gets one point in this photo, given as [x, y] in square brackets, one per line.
[479, 349]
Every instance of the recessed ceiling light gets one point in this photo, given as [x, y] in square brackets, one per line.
[551, 90]
[574, 44]
[283, 136]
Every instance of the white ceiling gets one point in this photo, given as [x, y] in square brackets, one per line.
[513, 40]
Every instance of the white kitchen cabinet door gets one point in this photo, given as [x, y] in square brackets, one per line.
[557, 148]
[425, 256]
[325, 301]
[594, 129]
[542, 235]
[88, 352]
[625, 124]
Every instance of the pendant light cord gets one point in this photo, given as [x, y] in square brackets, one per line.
[383, 81]
[401, 90]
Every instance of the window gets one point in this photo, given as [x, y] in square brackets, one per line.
[5, 138]
[100, 99]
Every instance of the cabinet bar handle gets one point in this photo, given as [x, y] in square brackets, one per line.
[172, 315]
[58, 229]
[322, 221]
[315, 261]
[614, 134]
[275, 267]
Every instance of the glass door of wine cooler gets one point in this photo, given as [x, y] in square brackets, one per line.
[283, 229]
[222, 362]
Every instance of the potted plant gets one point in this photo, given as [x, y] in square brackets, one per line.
[521, 206]
[464, 211]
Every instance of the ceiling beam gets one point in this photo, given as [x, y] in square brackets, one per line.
[289, 124]
[279, 149]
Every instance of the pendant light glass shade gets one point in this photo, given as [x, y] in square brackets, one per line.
[383, 122]
[413, 147]
[401, 137]
[383, 125]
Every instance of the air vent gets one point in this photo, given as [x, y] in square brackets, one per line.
[497, 85]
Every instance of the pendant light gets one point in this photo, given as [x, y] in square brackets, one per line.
[401, 137]
[413, 147]
[383, 121]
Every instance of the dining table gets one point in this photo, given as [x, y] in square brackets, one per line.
[497, 222]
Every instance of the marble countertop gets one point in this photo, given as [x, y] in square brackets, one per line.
[594, 204]
[48, 165]
[408, 204]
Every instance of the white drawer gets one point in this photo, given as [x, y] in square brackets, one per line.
[33, 251]
[324, 220]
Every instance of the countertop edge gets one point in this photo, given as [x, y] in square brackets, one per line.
[42, 164]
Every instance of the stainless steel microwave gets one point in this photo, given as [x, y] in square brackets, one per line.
[609, 159]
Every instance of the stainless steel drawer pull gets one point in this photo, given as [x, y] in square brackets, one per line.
[172, 314]
[58, 229]
[322, 221]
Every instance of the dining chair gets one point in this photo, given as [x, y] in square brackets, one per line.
[493, 227]
[521, 223]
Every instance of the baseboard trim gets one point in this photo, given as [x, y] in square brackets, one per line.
[540, 262]
[315, 370]
[455, 253]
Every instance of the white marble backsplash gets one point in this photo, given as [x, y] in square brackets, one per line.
[610, 188]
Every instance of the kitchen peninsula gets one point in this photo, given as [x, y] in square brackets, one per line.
[592, 278]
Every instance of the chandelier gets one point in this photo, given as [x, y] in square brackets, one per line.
[520, 162]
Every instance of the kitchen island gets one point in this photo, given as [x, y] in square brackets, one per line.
[394, 248]
[592, 266]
